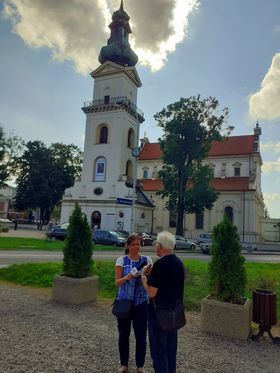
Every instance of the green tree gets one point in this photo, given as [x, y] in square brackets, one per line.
[77, 261]
[44, 174]
[189, 127]
[11, 147]
[227, 275]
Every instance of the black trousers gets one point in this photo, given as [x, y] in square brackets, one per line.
[139, 322]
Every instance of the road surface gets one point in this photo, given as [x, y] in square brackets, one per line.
[8, 257]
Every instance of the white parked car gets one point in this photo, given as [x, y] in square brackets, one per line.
[182, 243]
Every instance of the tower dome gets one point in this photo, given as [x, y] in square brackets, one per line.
[118, 48]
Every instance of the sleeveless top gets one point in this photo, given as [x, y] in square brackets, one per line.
[127, 290]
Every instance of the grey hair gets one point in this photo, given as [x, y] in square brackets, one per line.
[166, 240]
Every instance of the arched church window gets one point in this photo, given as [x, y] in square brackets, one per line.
[103, 134]
[130, 138]
[100, 169]
[129, 171]
[229, 213]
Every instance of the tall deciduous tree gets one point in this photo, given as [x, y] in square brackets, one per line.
[189, 126]
[11, 147]
[44, 175]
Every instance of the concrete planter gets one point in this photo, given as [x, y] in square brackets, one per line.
[226, 319]
[74, 290]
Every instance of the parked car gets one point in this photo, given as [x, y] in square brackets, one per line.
[204, 238]
[145, 239]
[57, 233]
[182, 243]
[123, 233]
[108, 238]
[206, 248]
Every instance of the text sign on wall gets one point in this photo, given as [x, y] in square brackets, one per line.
[124, 201]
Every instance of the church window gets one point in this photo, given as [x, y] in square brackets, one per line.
[129, 171]
[98, 191]
[100, 169]
[172, 218]
[130, 138]
[199, 220]
[229, 213]
[103, 135]
[236, 171]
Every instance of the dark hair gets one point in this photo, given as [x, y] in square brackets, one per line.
[130, 238]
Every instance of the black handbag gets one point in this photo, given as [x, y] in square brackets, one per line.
[170, 318]
[122, 308]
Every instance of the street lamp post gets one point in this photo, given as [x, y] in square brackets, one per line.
[135, 153]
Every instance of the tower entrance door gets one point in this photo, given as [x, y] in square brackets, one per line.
[96, 220]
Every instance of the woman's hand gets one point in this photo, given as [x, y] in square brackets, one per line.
[128, 277]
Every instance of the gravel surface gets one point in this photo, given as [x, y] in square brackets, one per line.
[39, 335]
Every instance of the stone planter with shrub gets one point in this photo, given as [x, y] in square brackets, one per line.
[76, 285]
[225, 311]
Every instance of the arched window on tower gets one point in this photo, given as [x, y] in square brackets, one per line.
[229, 213]
[100, 169]
[103, 134]
[130, 138]
[129, 171]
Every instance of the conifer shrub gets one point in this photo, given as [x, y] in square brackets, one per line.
[227, 275]
[77, 261]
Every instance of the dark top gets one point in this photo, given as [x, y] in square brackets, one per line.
[168, 276]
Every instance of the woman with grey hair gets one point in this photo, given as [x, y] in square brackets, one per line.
[165, 286]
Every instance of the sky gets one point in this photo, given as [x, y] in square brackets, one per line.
[229, 49]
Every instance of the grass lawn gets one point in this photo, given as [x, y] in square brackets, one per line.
[17, 243]
[41, 275]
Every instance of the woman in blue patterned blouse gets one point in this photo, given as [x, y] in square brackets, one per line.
[130, 287]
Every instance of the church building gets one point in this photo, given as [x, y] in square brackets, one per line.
[236, 163]
[119, 181]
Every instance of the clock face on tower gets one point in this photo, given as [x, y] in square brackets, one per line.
[135, 152]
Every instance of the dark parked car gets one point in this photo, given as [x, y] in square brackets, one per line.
[108, 238]
[57, 234]
[145, 239]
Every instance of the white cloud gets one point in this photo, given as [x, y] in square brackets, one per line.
[271, 166]
[271, 197]
[76, 30]
[272, 202]
[270, 146]
[264, 104]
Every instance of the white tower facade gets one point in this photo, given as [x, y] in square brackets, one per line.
[105, 191]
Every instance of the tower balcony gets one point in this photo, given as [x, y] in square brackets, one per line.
[112, 104]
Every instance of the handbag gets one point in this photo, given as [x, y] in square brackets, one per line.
[170, 318]
[122, 308]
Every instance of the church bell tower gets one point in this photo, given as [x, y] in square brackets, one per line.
[112, 131]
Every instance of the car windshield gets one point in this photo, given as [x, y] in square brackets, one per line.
[180, 238]
[116, 234]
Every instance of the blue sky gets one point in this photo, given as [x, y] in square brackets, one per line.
[230, 50]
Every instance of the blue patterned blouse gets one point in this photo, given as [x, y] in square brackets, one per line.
[126, 291]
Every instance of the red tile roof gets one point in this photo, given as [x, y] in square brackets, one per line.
[233, 145]
[220, 184]
[150, 151]
[151, 185]
[230, 183]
